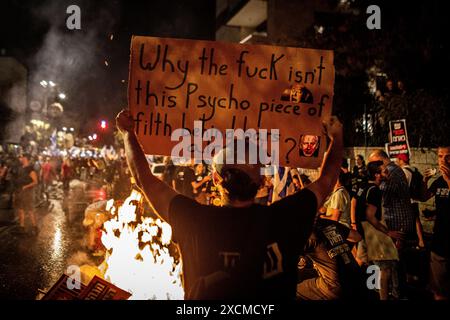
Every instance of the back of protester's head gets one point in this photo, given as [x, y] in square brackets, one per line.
[373, 168]
[239, 181]
[344, 178]
[379, 155]
[344, 164]
[403, 157]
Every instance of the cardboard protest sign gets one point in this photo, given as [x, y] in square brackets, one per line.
[398, 139]
[67, 288]
[99, 289]
[288, 91]
[64, 289]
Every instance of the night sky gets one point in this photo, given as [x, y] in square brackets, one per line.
[35, 33]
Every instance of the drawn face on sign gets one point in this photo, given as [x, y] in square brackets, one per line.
[297, 94]
[309, 145]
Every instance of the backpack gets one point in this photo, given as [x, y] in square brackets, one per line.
[416, 185]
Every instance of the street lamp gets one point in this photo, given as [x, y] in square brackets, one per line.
[62, 96]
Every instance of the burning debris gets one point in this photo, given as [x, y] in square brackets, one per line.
[140, 257]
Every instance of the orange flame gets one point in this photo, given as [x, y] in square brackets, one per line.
[138, 258]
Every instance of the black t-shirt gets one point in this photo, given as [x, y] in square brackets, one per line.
[440, 243]
[333, 259]
[184, 176]
[243, 253]
[23, 177]
[368, 193]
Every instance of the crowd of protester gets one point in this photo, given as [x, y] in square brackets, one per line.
[370, 218]
[376, 206]
[369, 221]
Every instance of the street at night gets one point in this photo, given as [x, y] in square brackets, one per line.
[31, 265]
[232, 157]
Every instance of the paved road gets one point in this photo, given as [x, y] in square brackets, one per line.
[30, 263]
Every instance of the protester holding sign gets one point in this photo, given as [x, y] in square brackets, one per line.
[224, 248]
[397, 213]
[188, 97]
[440, 244]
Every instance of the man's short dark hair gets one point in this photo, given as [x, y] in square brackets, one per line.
[344, 163]
[344, 178]
[373, 168]
[239, 185]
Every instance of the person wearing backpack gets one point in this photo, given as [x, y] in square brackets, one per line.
[416, 189]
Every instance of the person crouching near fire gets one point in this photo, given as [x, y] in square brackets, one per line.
[240, 249]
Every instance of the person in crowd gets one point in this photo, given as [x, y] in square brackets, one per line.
[184, 177]
[200, 183]
[390, 89]
[26, 181]
[66, 173]
[339, 276]
[169, 172]
[440, 243]
[397, 213]
[241, 249]
[360, 169]
[401, 88]
[379, 246]
[337, 206]
[413, 184]
[47, 174]
[297, 184]
[262, 196]
[359, 174]
[347, 176]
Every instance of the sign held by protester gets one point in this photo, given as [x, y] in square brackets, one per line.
[204, 93]
[398, 139]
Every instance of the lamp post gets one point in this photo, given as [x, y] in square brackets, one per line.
[49, 87]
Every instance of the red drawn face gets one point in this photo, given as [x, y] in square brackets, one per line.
[309, 144]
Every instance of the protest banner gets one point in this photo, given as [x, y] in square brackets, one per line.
[398, 139]
[61, 291]
[100, 289]
[67, 288]
[286, 91]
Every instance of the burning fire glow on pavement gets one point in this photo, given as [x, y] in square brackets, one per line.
[139, 258]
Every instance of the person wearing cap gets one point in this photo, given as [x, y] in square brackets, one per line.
[240, 249]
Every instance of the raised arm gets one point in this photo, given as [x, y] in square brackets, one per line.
[329, 172]
[157, 192]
